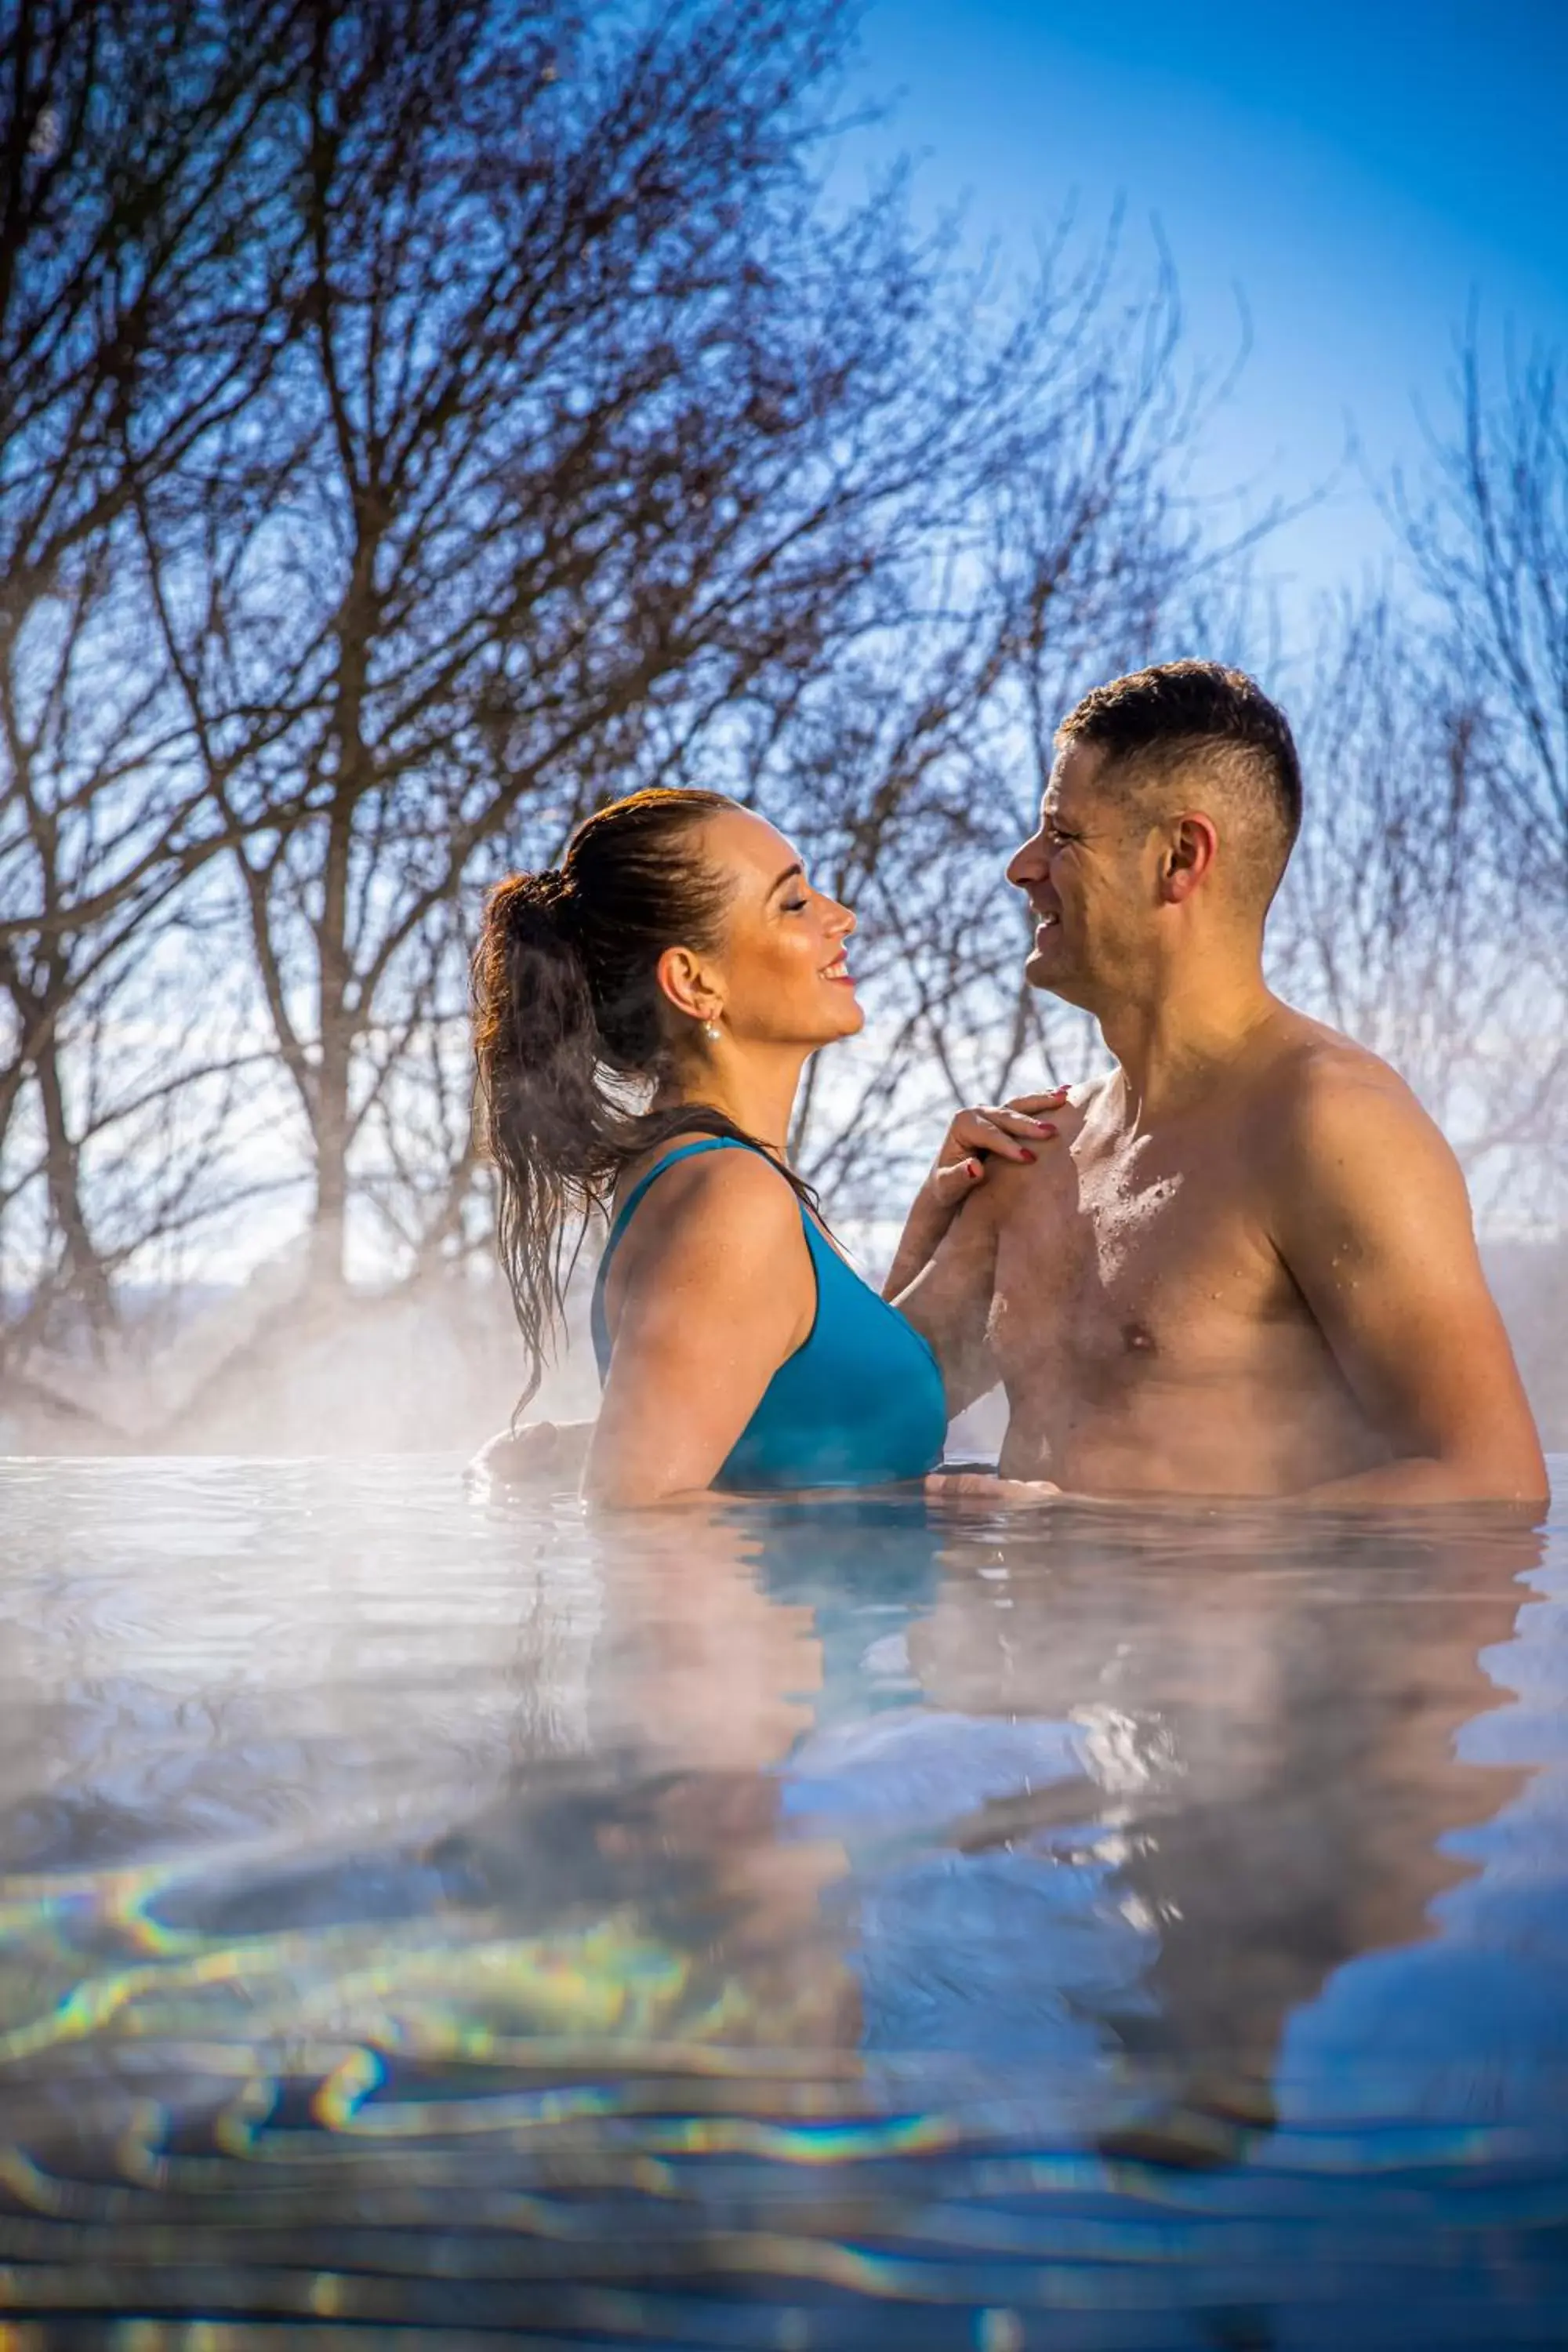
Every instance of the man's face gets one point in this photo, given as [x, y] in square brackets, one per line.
[1083, 876]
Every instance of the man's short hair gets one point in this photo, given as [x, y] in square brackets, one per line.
[1184, 715]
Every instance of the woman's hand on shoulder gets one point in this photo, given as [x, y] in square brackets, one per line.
[1016, 1130]
[1019, 1130]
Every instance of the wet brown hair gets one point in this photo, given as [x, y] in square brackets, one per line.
[571, 1029]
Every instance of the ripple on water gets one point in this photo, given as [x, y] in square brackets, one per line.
[816, 1928]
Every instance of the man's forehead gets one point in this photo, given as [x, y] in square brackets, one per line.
[1070, 788]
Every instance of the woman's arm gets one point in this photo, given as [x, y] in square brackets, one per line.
[949, 1303]
[1012, 1130]
[719, 1290]
[942, 1272]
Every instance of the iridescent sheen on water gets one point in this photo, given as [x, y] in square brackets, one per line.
[822, 1925]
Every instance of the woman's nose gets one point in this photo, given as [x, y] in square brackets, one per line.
[843, 921]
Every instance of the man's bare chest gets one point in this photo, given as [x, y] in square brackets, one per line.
[1135, 1265]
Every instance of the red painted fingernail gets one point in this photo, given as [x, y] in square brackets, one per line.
[971, 1168]
[1030, 1156]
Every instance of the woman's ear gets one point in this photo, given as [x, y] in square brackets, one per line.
[685, 983]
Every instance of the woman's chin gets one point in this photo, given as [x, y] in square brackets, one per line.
[843, 1017]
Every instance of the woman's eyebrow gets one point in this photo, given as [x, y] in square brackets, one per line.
[788, 875]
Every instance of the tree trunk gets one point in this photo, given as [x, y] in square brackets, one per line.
[331, 1119]
[90, 1281]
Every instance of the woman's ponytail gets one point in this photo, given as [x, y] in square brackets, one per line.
[570, 1030]
[537, 1054]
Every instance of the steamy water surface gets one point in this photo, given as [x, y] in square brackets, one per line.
[829, 1926]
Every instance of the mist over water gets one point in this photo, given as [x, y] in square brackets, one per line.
[822, 1925]
[260, 1372]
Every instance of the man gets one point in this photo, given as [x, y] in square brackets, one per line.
[1247, 1266]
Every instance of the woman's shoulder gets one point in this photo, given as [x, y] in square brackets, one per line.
[729, 1191]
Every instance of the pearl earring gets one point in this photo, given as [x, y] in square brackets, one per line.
[712, 1031]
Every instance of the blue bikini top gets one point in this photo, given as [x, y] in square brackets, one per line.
[859, 1404]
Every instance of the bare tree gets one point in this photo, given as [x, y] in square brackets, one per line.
[598, 451]
[134, 316]
[1067, 555]
[1399, 922]
[119, 1062]
[530, 470]
[1488, 531]
[505, 418]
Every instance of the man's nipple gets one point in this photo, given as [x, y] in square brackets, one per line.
[1137, 1339]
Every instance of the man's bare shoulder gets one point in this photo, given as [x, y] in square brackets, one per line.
[1327, 1110]
[1309, 1070]
[1070, 1119]
[1088, 1099]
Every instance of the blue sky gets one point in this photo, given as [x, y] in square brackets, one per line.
[1358, 171]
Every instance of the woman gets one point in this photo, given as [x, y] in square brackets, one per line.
[642, 1017]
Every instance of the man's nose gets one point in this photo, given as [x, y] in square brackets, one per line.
[1028, 863]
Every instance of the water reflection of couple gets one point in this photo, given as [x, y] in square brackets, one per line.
[1030, 1805]
[1241, 1264]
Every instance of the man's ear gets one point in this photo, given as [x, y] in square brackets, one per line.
[684, 982]
[1188, 856]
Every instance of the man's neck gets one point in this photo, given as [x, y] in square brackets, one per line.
[1176, 1037]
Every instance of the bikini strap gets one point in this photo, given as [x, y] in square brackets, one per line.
[682, 1152]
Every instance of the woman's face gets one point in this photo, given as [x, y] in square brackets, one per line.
[781, 964]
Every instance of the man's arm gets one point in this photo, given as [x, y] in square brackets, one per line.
[1375, 1228]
